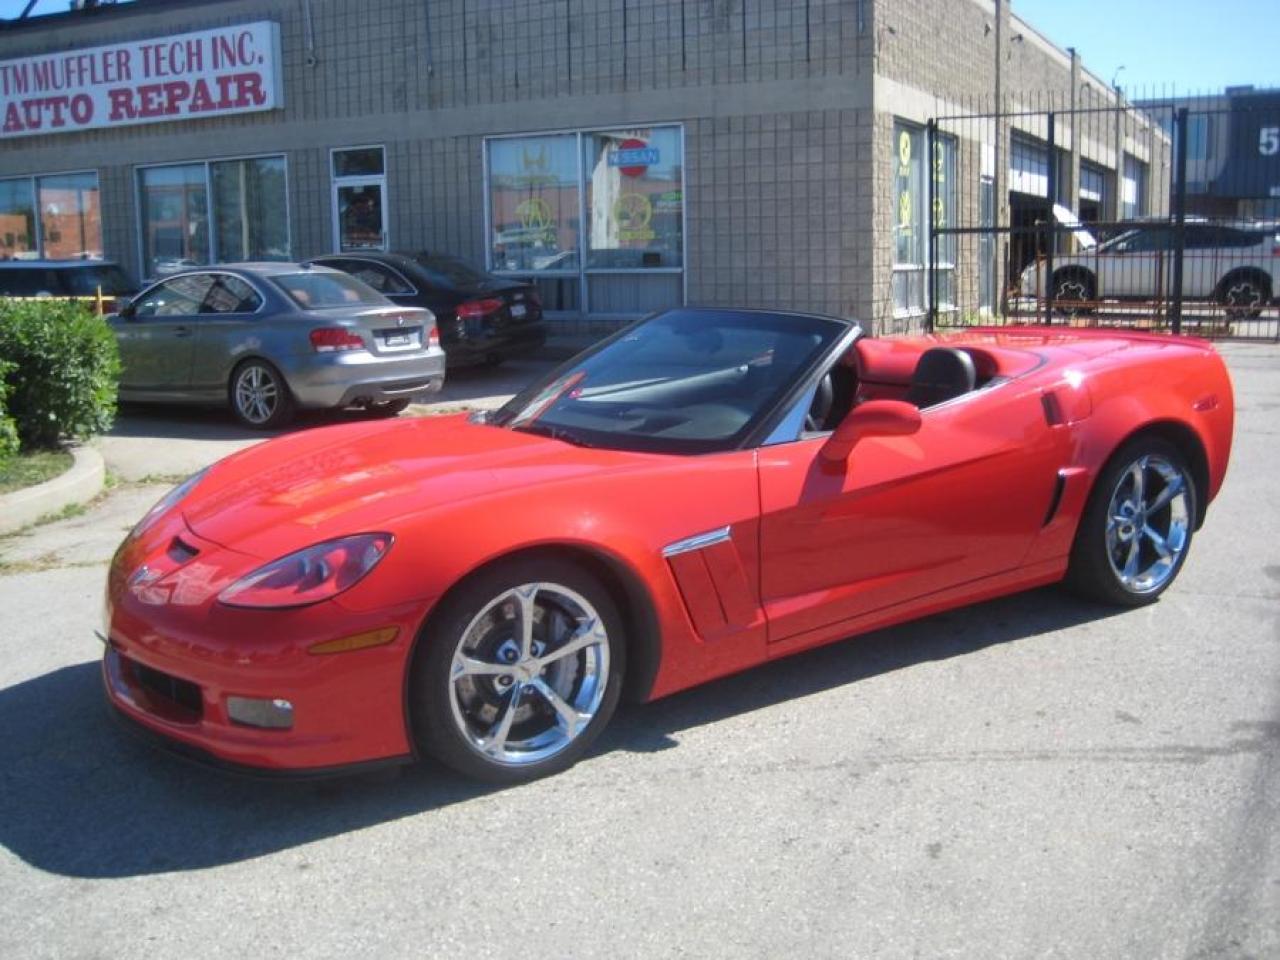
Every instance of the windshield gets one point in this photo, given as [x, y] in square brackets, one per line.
[687, 381]
[316, 290]
[450, 271]
[86, 281]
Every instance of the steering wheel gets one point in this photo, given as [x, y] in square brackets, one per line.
[823, 399]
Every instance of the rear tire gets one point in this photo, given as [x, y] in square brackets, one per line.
[1243, 295]
[498, 700]
[1075, 287]
[259, 396]
[1137, 526]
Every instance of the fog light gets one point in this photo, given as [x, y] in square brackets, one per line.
[274, 714]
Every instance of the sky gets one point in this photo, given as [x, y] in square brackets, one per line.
[1193, 46]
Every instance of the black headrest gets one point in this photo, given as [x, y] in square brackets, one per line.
[942, 374]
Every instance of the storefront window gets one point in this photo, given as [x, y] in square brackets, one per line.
[17, 220]
[250, 214]
[70, 217]
[174, 204]
[1133, 189]
[635, 198]
[911, 235]
[359, 162]
[246, 200]
[944, 216]
[908, 219]
[533, 203]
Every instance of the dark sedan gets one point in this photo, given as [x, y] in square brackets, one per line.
[482, 319]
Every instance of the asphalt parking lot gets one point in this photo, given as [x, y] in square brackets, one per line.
[1029, 777]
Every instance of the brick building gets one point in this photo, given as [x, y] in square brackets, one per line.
[629, 154]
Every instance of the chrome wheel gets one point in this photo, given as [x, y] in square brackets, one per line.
[257, 394]
[1243, 297]
[529, 674]
[1148, 524]
[1072, 290]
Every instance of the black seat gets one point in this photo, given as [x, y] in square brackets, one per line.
[942, 374]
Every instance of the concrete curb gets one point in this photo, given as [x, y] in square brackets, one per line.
[80, 484]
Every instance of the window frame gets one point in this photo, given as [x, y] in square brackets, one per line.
[581, 273]
[138, 170]
[924, 220]
[38, 226]
[262, 297]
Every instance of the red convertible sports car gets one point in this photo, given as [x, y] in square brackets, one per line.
[702, 492]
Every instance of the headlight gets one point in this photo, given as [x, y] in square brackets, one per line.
[308, 576]
[165, 503]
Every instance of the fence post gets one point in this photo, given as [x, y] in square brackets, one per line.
[1052, 189]
[931, 270]
[1179, 212]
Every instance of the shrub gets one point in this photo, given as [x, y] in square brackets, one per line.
[8, 429]
[64, 367]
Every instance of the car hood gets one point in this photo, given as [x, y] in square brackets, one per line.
[311, 486]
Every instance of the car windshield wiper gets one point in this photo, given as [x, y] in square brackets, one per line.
[555, 433]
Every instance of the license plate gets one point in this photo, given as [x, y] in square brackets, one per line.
[517, 310]
[400, 339]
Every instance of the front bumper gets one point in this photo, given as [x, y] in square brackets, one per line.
[175, 657]
[204, 758]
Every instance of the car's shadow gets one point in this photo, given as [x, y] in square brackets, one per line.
[80, 797]
[194, 422]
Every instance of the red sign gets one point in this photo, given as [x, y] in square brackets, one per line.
[630, 149]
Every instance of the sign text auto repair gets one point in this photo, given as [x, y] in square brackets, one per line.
[205, 74]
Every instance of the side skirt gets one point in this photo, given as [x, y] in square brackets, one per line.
[988, 588]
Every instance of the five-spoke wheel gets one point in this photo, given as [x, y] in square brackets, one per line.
[259, 396]
[519, 670]
[1137, 527]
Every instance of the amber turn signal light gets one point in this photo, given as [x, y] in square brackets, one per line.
[357, 641]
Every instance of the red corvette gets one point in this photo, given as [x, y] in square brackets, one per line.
[701, 493]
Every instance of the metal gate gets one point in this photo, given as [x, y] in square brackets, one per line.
[1161, 214]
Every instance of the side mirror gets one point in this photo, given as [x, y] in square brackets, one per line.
[127, 311]
[875, 418]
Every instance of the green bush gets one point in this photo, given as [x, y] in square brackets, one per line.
[63, 369]
[8, 429]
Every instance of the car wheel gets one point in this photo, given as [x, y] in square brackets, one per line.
[1137, 526]
[1243, 296]
[259, 396]
[518, 671]
[1076, 289]
[389, 408]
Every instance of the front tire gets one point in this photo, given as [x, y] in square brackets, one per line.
[518, 671]
[259, 396]
[1137, 526]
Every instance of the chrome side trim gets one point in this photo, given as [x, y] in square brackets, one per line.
[699, 541]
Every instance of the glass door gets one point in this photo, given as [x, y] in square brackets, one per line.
[360, 217]
[359, 199]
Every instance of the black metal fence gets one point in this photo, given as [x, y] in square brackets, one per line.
[1161, 214]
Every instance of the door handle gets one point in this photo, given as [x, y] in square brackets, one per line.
[182, 331]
